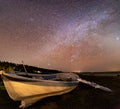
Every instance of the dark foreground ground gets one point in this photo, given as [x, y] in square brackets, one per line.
[83, 97]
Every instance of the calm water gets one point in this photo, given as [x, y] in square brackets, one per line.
[83, 97]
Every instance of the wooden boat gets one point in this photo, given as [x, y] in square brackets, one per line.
[29, 88]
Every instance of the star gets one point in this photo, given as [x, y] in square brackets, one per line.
[117, 38]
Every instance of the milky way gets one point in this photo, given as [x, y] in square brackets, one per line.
[67, 35]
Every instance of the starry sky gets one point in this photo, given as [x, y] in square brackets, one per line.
[67, 35]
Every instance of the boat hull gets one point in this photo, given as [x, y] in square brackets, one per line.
[30, 91]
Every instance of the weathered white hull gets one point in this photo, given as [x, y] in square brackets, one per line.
[29, 92]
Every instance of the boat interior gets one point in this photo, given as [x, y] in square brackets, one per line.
[55, 77]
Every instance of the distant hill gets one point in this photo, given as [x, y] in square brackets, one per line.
[8, 66]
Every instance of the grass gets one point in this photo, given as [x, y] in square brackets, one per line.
[2, 88]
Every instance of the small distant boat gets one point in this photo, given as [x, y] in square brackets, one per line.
[30, 88]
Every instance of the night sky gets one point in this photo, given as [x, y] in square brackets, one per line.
[67, 35]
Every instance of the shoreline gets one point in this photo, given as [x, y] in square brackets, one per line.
[112, 74]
